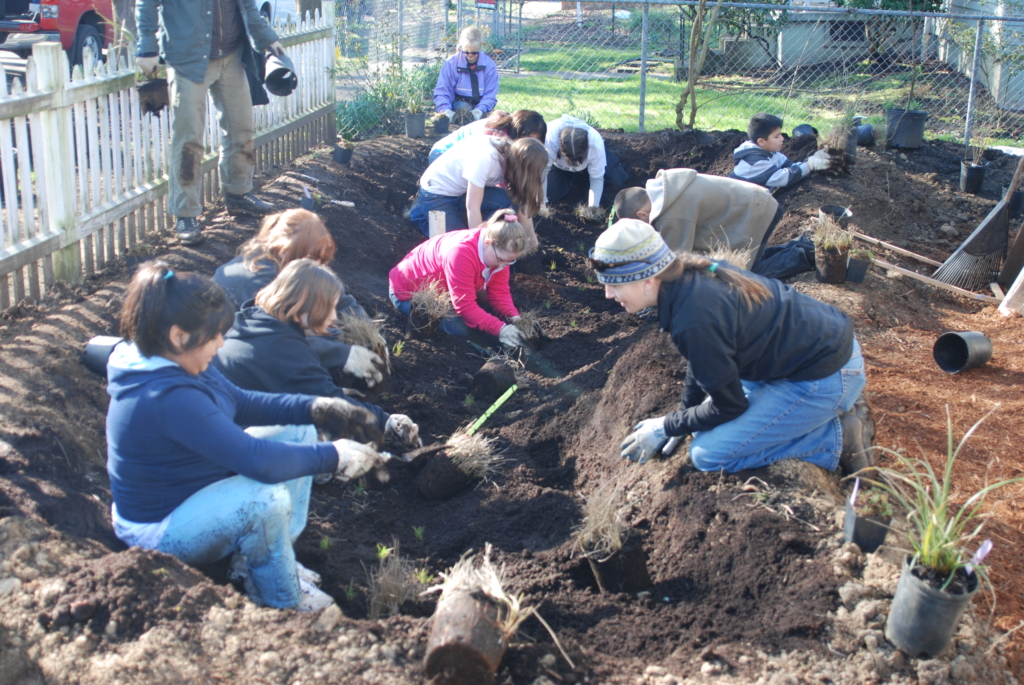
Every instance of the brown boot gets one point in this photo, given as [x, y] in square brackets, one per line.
[858, 438]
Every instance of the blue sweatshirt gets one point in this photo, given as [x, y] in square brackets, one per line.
[768, 169]
[170, 434]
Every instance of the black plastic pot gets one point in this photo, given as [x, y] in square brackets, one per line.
[441, 125]
[904, 128]
[98, 351]
[624, 571]
[441, 479]
[830, 265]
[841, 215]
[851, 142]
[959, 350]
[971, 177]
[866, 135]
[922, 620]
[1016, 201]
[342, 155]
[867, 531]
[415, 124]
[805, 130]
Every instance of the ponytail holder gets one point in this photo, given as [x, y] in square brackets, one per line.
[169, 275]
[714, 265]
[511, 217]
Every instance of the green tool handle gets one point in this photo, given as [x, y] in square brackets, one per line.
[494, 407]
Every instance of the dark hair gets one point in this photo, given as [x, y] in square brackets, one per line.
[158, 298]
[573, 144]
[751, 291]
[629, 201]
[762, 125]
[526, 123]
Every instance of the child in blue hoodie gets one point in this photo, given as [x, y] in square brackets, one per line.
[760, 160]
[186, 478]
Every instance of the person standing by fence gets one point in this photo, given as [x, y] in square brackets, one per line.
[468, 79]
[206, 48]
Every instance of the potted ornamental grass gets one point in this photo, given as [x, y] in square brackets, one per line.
[831, 250]
[943, 569]
[904, 126]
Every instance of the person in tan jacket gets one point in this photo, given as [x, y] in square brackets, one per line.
[696, 212]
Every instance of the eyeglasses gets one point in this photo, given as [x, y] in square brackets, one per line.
[501, 262]
[601, 267]
[465, 52]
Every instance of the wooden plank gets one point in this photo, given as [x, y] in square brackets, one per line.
[933, 282]
[897, 250]
[27, 251]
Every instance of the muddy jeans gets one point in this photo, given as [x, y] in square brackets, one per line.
[241, 515]
[227, 83]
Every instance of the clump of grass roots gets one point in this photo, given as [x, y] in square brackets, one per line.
[529, 324]
[432, 301]
[392, 583]
[474, 455]
[356, 330]
[603, 530]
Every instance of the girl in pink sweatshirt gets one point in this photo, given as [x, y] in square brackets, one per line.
[468, 263]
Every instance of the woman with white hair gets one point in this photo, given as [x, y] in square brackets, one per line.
[468, 80]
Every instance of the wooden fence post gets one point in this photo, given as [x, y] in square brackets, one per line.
[58, 158]
[435, 223]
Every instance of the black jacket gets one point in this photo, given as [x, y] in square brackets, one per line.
[262, 353]
[789, 336]
[241, 285]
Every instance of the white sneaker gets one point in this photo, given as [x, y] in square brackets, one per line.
[313, 598]
[238, 572]
[311, 577]
[323, 478]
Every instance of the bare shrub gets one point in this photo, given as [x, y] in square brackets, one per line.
[474, 455]
[603, 529]
[392, 583]
[432, 301]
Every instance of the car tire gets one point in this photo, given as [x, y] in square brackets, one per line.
[86, 36]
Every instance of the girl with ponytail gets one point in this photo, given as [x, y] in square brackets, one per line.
[577, 151]
[771, 373]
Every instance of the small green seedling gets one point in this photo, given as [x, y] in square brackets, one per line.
[325, 543]
[582, 247]
[423, 576]
[350, 591]
[383, 552]
[573, 324]
[590, 277]
[397, 348]
[384, 397]
[360, 489]
[586, 310]
[468, 402]
[553, 266]
[418, 532]
[547, 304]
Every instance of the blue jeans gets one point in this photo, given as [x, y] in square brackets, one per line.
[241, 515]
[452, 325]
[785, 420]
[454, 208]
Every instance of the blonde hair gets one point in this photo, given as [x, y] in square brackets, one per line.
[751, 291]
[286, 236]
[524, 163]
[510, 235]
[470, 35]
[303, 287]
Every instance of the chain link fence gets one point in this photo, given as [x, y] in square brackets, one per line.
[627, 65]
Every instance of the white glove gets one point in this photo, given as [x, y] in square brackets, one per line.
[450, 114]
[355, 460]
[819, 161]
[276, 48]
[147, 65]
[402, 430]
[510, 336]
[476, 114]
[362, 363]
[646, 439]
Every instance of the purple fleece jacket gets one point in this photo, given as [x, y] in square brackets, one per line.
[451, 82]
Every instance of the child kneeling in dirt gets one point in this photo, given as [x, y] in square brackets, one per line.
[469, 264]
[523, 123]
[771, 373]
[283, 238]
[267, 349]
[478, 175]
[760, 161]
[187, 480]
[576, 149]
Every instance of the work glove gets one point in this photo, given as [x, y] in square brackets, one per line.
[476, 114]
[646, 439]
[147, 65]
[362, 363]
[510, 336]
[276, 48]
[400, 429]
[341, 419]
[819, 161]
[355, 461]
[449, 113]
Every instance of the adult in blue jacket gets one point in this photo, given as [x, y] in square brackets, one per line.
[468, 80]
[771, 373]
[186, 478]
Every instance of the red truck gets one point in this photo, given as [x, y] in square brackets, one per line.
[77, 24]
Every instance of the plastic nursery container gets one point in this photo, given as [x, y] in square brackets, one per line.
[415, 125]
[959, 350]
[441, 125]
[624, 571]
[971, 176]
[922, 620]
[98, 351]
[866, 135]
[841, 215]
[867, 531]
[1016, 201]
[904, 128]
[342, 155]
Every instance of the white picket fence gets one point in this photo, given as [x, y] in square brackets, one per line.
[83, 173]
